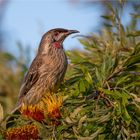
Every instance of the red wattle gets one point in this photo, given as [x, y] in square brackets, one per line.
[57, 45]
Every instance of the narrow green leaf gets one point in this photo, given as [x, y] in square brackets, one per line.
[134, 33]
[133, 60]
[135, 15]
[126, 116]
[82, 86]
[87, 75]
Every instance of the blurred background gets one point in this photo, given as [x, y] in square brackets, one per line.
[23, 22]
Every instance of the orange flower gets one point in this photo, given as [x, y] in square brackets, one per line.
[49, 106]
[35, 112]
[54, 104]
[26, 132]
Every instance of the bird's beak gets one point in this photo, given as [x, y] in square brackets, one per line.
[69, 32]
[72, 32]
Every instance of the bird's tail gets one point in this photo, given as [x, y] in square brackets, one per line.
[17, 106]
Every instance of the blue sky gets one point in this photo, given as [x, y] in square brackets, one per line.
[27, 20]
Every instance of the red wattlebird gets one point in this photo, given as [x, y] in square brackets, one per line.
[47, 69]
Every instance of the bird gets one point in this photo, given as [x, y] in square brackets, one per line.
[47, 70]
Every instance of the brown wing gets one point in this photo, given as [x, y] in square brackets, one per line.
[31, 77]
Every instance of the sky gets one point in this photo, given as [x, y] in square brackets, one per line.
[28, 20]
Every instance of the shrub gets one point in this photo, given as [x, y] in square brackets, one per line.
[101, 98]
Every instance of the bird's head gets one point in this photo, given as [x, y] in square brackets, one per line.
[55, 38]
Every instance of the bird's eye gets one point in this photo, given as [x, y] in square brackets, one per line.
[56, 34]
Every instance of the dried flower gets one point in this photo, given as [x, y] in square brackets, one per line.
[26, 132]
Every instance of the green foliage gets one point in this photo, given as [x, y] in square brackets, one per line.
[101, 98]
[110, 67]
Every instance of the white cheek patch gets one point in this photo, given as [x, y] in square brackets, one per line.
[45, 49]
[46, 45]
